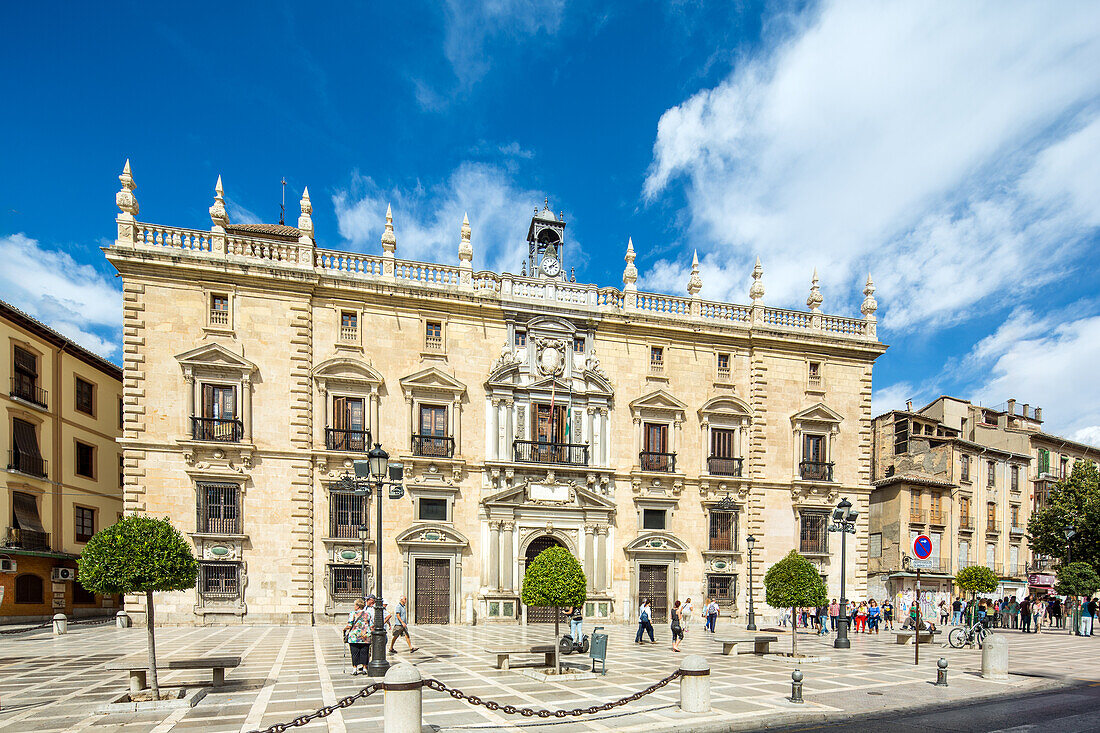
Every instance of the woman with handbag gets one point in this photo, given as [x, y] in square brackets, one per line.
[357, 636]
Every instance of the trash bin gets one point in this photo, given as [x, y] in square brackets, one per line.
[598, 649]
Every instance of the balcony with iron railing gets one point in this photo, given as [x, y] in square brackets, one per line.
[217, 429]
[351, 441]
[535, 451]
[815, 471]
[436, 446]
[992, 526]
[30, 465]
[938, 519]
[916, 516]
[649, 460]
[966, 524]
[26, 539]
[1015, 571]
[1017, 528]
[722, 466]
[28, 391]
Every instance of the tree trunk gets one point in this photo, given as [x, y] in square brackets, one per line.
[557, 647]
[794, 632]
[152, 645]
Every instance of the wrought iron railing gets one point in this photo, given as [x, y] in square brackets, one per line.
[24, 389]
[966, 524]
[816, 471]
[916, 516]
[992, 525]
[218, 429]
[534, 451]
[30, 465]
[937, 518]
[353, 441]
[347, 513]
[433, 445]
[657, 461]
[720, 466]
[27, 539]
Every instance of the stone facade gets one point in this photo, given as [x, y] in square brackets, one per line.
[526, 410]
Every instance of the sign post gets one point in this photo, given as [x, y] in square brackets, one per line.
[922, 552]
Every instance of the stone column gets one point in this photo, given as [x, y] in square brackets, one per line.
[456, 424]
[502, 426]
[491, 555]
[704, 427]
[246, 407]
[635, 460]
[493, 441]
[605, 438]
[601, 559]
[372, 411]
[189, 379]
[589, 530]
[412, 418]
[506, 555]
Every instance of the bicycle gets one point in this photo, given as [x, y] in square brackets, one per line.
[960, 636]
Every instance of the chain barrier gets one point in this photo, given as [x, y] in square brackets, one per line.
[48, 624]
[473, 700]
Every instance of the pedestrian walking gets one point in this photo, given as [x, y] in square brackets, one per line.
[644, 623]
[956, 611]
[712, 616]
[1025, 615]
[676, 626]
[888, 615]
[861, 618]
[1093, 606]
[357, 636]
[400, 622]
[873, 615]
[943, 613]
[1037, 608]
[686, 612]
[1086, 620]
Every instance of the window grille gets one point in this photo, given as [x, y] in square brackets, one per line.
[220, 580]
[219, 509]
[723, 531]
[347, 513]
[347, 582]
[814, 536]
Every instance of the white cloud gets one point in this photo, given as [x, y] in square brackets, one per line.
[942, 146]
[893, 397]
[72, 298]
[1090, 435]
[239, 214]
[427, 220]
[472, 27]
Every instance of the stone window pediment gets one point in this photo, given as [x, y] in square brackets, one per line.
[727, 409]
[345, 372]
[567, 495]
[215, 359]
[659, 401]
[819, 414]
[432, 381]
[656, 543]
[428, 535]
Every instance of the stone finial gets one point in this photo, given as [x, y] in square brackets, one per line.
[814, 301]
[756, 292]
[125, 199]
[389, 239]
[695, 283]
[305, 221]
[870, 305]
[630, 272]
[465, 249]
[218, 215]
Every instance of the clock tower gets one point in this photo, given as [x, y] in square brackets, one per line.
[545, 240]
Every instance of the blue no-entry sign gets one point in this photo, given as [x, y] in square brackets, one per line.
[922, 547]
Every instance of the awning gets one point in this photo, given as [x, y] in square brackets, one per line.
[25, 509]
[26, 442]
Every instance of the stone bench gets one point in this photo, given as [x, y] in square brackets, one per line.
[139, 669]
[760, 644]
[906, 637]
[502, 655]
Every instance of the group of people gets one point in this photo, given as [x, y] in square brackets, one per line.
[357, 631]
[866, 617]
[679, 620]
[1028, 615]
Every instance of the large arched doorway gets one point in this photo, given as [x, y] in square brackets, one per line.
[540, 615]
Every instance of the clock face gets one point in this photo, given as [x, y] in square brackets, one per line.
[551, 266]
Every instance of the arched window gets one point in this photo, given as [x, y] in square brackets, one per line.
[28, 589]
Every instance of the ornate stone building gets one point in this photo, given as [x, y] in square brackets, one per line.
[528, 411]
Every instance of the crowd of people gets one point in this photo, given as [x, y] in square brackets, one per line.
[1030, 615]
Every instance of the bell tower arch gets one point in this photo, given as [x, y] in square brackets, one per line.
[545, 242]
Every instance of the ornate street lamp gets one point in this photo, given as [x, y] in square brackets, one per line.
[750, 541]
[844, 521]
[1070, 531]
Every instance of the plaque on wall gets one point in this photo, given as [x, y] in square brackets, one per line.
[548, 492]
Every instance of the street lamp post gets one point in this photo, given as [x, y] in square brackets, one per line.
[363, 532]
[844, 521]
[750, 541]
[1070, 530]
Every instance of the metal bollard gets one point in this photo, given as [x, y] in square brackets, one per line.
[695, 684]
[796, 687]
[941, 673]
[60, 624]
[403, 708]
[122, 620]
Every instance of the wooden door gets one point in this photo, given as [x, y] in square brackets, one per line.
[433, 591]
[653, 584]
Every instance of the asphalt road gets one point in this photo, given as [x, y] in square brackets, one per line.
[1067, 710]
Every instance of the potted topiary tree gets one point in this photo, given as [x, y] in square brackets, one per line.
[794, 582]
[975, 579]
[139, 554]
[554, 578]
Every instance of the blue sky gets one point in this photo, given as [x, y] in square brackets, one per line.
[952, 150]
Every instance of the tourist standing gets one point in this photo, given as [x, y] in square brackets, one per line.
[644, 623]
[943, 613]
[357, 636]
[677, 627]
[823, 619]
[1025, 615]
[1038, 606]
[576, 618]
[873, 615]
[957, 612]
[1093, 607]
[888, 615]
[834, 613]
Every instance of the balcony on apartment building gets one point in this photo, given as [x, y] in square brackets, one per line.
[721, 466]
[992, 526]
[815, 471]
[350, 441]
[1015, 571]
[537, 451]
[26, 463]
[657, 461]
[217, 429]
[28, 391]
[434, 446]
[26, 539]
[966, 524]
[916, 516]
[937, 519]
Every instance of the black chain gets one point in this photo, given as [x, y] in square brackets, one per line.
[326, 711]
[7, 632]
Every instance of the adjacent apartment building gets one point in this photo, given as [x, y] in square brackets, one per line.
[648, 434]
[63, 475]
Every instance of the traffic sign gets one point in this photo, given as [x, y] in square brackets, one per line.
[922, 547]
[920, 564]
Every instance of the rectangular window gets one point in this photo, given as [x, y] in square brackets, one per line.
[991, 479]
[521, 338]
[85, 523]
[813, 448]
[1015, 511]
[121, 414]
[723, 366]
[219, 509]
[25, 456]
[81, 595]
[813, 537]
[433, 336]
[219, 414]
[85, 460]
[219, 579]
[1014, 478]
[432, 440]
[964, 511]
[1044, 461]
[722, 588]
[964, 552]
[814, 375]
[219, 309]
[432, 510]
[347, 582]
[723, 459]
[24, 381]
[547, 429]
[990, 555]
[991, 517]
[656, 359]
[349, 326]
[655, 455]
[85, 397]
[433, 420]
[1063, 467]
[578, 344]
[936, 509]
[347, 513]
[964, 467]
[121, 473]
[723, 531]
[874, 545]
[348, 431]
[653, 519]
[914, 505]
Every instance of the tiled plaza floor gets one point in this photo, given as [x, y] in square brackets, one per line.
[52, 683]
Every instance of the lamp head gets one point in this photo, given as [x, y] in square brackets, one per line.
[363, 532]
[379, 462]
[750, 541]
[1070, 531]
